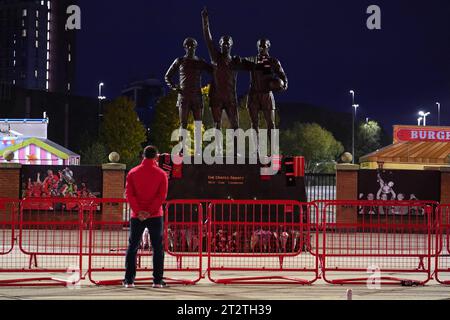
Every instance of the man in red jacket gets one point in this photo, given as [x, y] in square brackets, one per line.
[146, 191]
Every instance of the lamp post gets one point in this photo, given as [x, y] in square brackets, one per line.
[424, 115]
[352, 93]
[419, 121]
[100, 98]
[439, 113]
[356, 106]
[100, 85]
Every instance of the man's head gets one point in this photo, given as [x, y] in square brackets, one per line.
[226, 44]
[264, 46]
[151, 153]
[190, 45]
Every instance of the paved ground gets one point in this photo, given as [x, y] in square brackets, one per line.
[208, 291]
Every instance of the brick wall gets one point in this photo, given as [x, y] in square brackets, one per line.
[10, 180]
[445, 186]
[347, 189]
[113, 188]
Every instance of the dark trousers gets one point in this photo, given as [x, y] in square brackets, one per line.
[156, 230]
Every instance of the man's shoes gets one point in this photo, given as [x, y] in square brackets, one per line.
[159, 285]
[128, 285]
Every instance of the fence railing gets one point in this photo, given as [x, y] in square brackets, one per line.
[321, 187]
[262, 242]
[57, 241]
[442, 262]
[391, 243]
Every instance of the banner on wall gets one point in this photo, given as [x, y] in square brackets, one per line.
[61, 182]
[398, 185]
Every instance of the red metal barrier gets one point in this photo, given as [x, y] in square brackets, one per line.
[42, 241]
[261, 242]
[9, 209]
[8, 216]
[391, 242]
[108, 243]
[49, 243]
[442, 264]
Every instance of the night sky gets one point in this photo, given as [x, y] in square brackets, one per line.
[324, 46]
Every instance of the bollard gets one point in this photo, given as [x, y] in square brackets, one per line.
[349, 294]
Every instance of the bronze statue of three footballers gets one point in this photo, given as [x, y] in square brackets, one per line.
[267, 76]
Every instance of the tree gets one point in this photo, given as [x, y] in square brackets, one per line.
[122, 132]
[95, 154]
[316, 144]
[166, 120]
[368, 139]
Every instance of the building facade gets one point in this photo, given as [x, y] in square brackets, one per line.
[72, 118]
[145, 95]
[36, 50]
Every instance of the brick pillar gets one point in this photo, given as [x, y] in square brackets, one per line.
[113, 188]
[445, 185]
[10, 180]
[347, 189]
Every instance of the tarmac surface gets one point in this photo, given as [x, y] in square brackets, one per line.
[206, 290]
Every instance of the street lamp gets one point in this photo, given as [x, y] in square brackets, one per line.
[419, 121]
[439, 113]
[352, 93]
[356, 106]
[424, 115]
[100, 96]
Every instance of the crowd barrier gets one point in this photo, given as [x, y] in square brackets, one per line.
[45, 238]
[391, 243]
[108, 242]
[9, 209]
[442, 262]
[61, 241]
[271, 240]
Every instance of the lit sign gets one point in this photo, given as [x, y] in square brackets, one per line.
[421, 134]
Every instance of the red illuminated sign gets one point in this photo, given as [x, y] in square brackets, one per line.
[423, 134]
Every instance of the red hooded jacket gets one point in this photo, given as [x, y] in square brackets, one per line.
[146, 189]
